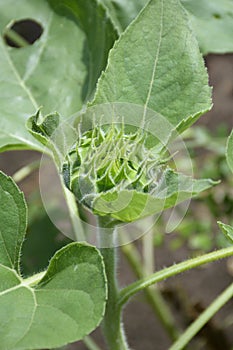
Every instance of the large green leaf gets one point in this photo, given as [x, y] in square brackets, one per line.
[229, 151]
[59, 71]
[52, 309]
[66, 305]
[156, 63]
[212, 21]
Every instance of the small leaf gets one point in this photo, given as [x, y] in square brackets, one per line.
[13, 220]
[43, 130]
[229, 151]
[156, 63]
[55, 135]
[227, 230]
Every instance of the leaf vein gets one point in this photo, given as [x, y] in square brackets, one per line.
[18, 77]
[42, 48]
[5, 248]
[156, 60]
[33, 314]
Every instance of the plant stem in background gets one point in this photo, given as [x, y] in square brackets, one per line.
[153, 295]
[15, 38]
[112, 326]
[74, 215]
[90, 344]
[25, 171]
[197, 325]
[140, 285]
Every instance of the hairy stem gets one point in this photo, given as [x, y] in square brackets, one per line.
[196, 326]
[112, 326]
[140, 285]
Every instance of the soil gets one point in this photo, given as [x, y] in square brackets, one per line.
[189, 293]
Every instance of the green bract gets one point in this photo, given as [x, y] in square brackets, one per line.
[114, 174]
[107, 159]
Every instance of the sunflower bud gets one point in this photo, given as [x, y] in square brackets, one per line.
[108, 159]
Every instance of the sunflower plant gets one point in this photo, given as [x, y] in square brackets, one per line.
[124, 85]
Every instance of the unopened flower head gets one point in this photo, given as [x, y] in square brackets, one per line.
[107, 159]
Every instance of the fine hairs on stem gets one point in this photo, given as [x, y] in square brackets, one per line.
[112, 326]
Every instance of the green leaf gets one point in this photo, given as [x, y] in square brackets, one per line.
[59, 71]
[212, 22]
[128, 206]
[100, 34]
[157, 64]
[210, 19]
[229, 151]
[67, 304]
[13, 219]
[227, 230]
[54, 308]
[43, 129]
[55, 135]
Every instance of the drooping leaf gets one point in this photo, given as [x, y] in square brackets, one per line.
[157, 64]
[64, 305]
[229, 151]
[13, 219]
[58, 71]
[128, 206]
[227, 230]
[212, 21]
